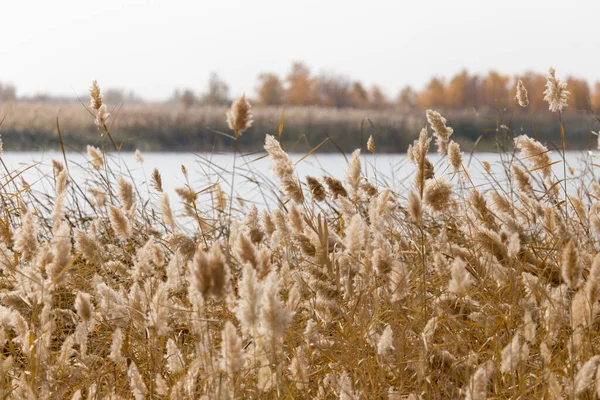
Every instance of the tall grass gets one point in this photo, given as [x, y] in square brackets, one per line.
[338, 288]
[169, 127]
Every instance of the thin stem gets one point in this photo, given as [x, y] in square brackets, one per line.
[564, 151]
[232, 180]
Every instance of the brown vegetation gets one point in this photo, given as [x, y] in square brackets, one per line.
[446, 290]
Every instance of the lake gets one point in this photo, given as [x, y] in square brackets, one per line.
[253, 180]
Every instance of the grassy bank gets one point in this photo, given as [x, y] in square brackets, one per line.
[30, 126]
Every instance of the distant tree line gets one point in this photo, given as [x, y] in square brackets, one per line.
[495, 91]
[7, 92]
[300, 87]
[463, 91]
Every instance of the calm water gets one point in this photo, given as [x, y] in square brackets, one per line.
[253, 179]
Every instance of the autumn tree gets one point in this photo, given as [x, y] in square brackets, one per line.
[377, 99]
[407, 99]
[7, 92]
[596, 97]
[463, 91]
[301, 86]
[218, 91]
[434, 95]
[495, 92]
[116, 97]
[270, 90]
[580, 97]
[333, 91]
[187, 98]
[359, 97]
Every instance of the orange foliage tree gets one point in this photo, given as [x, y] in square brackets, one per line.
[434, 95]
[596, 97]
[580, 97]
[463, 91]
[270, 90]
[494, 91]
[301, 86]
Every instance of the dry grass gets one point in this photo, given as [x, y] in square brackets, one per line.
[445, 291]
[170, 127]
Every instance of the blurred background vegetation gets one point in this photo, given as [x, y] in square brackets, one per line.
[481, 109]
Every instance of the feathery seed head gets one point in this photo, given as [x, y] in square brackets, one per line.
[96, 96]
[441, 131]
[316, 188]
[556, 93]
[96, 156]
[238, 117]
[438, 193]
[371, 144]
[521, 95]
[454, 155]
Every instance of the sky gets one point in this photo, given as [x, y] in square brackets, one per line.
[154, 47]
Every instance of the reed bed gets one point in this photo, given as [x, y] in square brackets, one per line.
[337, 288]
[171, 127]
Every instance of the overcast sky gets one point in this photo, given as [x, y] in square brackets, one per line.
[153, 47]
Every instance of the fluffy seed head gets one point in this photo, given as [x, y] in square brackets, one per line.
[571, 268]
[371, 144]
[438, 193]
[95, 95]
[96, 156]
[556, 93]
[441, 131]
[535, 154]
[461, 278]
[283, 169]
[511, 355]
[165, 209]
[585, 376]
[238, 117]
[521, 95]
[386, 341]
[139, 157]
[119, 223]
[454, 155]
[316, 189]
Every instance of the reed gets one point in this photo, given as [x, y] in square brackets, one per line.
[335, 287]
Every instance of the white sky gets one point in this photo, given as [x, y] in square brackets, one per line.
[153, 47]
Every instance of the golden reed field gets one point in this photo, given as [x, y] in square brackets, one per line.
[344, 289]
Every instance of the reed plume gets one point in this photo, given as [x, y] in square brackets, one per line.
[283, 169]
[521, 95]
[441, 131]
[535, 154]
[438, 193]
[371, 144]
[120, 223]
[238, 117]
[556, 93]
[316, 188]
[96, 156]
[96, 96]
[570, 266]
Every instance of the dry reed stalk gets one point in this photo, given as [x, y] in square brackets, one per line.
[441, 131]
[521, 95]
[556, 93]
[238, 117]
